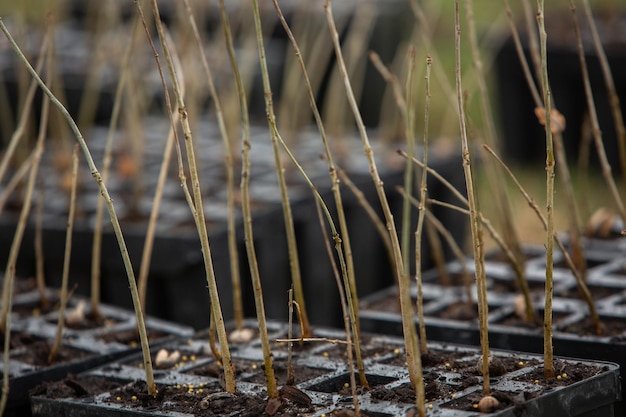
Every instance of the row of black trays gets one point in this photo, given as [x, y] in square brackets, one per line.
[177, 269]
[81, 29]
[192, 385]
[88, 343]
[448, 317]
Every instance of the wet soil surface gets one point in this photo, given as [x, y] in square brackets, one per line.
[34, 351]
[445, 374]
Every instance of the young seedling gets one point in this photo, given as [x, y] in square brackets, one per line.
[199, 216]
[96, 249]
[410, 336]
[597, 133]
[115, 221]
[39, 255]
[230, 179]
[475, 223]
[272, 389]
[557, 125]
[467, 279]
[406, 110]
[342, 241]
[9, 275]
[500, 192]
[582, 285]
[294, 262]
[614, 101]
[66, 260]
[422, 212]
[547, 100]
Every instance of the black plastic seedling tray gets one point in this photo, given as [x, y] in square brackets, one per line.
[326, 393]
[81, 349]
[572, 335]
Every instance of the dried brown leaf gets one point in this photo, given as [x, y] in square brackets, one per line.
[557, 120]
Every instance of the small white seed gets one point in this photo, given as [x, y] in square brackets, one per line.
[164, 359]
[241, 336]
[520, 306]
[161, 357]
[77, 315]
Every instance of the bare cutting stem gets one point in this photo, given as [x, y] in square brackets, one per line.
[610, 87]
[199, 217]
[582, 285]
[230, 179]
[410, 336]
[475, 223]
[574, 228]
[66, 260]
[422, 212]
[9, 275]
[496, 184]
[547, 100]
[595, 125]
[342, 241]
[114, 220]
[96, 249]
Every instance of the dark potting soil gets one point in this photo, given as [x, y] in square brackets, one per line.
[458, 310]
[516, 321]
[18, 340]
[369, 349]
[610, 327]
[34, 306]
[91, 321]
[78, 386]
[211, 400]
[37, 353]
[597, 292]
[130, 337]
[566, 373]
[253, 371]
[447, 371]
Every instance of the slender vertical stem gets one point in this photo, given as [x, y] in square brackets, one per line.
[410, 336]
[245, 139]
[345, 249]
[66, 260]
[475, 223]
[294, 262]
[574, 228]
[500, 191]
[422, 212]
[10, 149]
[9, 275]
[582, 285]
[114, 220]
[96, 248]
[593, 115]
[547, 100]
[39, 254]
[216, 309]
[345, 307]
[43, 123]
[614, 101]
[230, 179]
